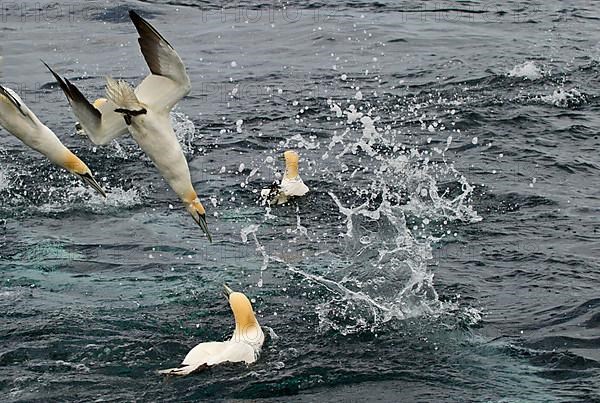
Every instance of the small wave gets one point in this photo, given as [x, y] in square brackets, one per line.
[528, 70]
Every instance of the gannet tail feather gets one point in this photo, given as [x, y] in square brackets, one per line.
[122, 94]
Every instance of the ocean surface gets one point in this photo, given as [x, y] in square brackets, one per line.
[448, 250]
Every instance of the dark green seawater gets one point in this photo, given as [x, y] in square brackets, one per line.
[448, 249]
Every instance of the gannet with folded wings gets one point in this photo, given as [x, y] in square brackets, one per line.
[144, 112]
[244, 346]
[291, 185]
[20, 121]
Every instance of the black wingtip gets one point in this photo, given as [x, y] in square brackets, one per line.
[57, 77]
[72, 92]
[4, 91]
[145, 29]
[48, 67]
[136, 18]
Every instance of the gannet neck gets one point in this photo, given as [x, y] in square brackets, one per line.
[291, 164]
[73, 164]
[247, 328]
[99, 103]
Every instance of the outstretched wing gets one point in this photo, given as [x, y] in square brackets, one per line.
[101, 124]
[168, 82]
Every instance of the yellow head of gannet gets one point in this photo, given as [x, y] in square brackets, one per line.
[291, 164]
[77, 167]
[197, 211]
[247, 328]
[99, 103]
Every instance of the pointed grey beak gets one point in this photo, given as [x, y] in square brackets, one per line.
[201, 221]
[227, 291]
[89, 179]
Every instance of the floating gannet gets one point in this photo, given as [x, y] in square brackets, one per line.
[291, 185]
[144, 112]
[244, 345]
[18, 119]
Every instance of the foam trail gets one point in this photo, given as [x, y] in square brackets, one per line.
[266, 258]
[348, 213]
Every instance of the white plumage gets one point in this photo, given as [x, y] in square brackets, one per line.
[291, 185]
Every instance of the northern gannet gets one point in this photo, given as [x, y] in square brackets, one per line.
[20, 121]
[144, 112]
[291, 185]
[244, 345]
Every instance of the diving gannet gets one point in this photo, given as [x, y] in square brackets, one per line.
[291, 185]
[20, 121]
[144, 113]
[244, 345]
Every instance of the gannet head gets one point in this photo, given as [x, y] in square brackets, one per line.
[198, 213]
[99, 103]
[77, 167]
[291, 164]
[246, 326]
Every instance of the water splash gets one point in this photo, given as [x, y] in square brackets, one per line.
[564, 98]
[260, 249]
[185, 130]
[82, 197]
[4, 180]
[395, 203]
[528, 70]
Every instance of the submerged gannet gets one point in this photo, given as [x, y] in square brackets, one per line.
[144, 112]
[244, 345]
[18, 119]
[291, 185]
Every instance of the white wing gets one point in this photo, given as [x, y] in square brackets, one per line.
[293, 187]
[213, 353]
[168, 82]
[103, 124]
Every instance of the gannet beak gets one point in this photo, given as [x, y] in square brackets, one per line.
[89, 179]
[201, 220]
[227, 291]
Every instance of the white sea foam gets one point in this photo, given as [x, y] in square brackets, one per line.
[80, 195]
[4, 180]
[528, 70]
[564, 98]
